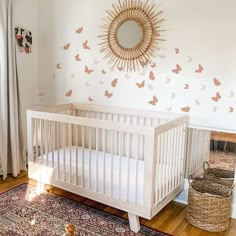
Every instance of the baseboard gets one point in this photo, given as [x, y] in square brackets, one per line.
[183, 198]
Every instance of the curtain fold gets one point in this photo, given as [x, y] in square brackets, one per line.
[11, 138]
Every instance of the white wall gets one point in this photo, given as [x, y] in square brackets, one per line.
[201, 30]
[25, 17]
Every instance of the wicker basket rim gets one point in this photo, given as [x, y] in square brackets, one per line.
[210, 195]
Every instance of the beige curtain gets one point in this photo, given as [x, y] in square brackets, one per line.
[12, 158]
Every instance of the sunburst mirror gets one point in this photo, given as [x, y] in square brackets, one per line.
[131, 35]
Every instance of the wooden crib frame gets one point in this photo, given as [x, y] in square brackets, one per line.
[157, 139]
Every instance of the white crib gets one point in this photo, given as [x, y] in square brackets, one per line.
[130, 159]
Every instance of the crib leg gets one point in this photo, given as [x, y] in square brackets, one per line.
[40, 188]
[134, 222]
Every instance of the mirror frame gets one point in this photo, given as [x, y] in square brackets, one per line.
[148, 18]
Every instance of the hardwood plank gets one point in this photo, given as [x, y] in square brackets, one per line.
[172, 219]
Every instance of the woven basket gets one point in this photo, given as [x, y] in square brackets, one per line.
[225, 175]
[214, 179]
[209, 205]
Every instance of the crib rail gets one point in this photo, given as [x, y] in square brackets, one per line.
[198, 149]
[170, 163]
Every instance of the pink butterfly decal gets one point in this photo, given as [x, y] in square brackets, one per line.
[127, 76]
[167, 80]
[214, 109]
[190, 59]
[77, 58]
[176, 50]
[114, 83]
[85, 45]
[79, 30]
[154, 101]
[185, 109]
[107, 94]
[120, 68]
[90, 99]
[150, 87]
[173, 95]
[216, 82]
[162, 56]
[177, 69]
[231, 95]
[217, 97]
[151, 76]
[67, 46]
[58, 66]
[203, 87]
[200, 69]
[101, 82]
[153, 65]
[141, 85]
[69, 93]
[87, 70]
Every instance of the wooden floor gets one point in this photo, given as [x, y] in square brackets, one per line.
[170, 220]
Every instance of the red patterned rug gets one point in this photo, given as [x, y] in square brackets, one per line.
[23, 212]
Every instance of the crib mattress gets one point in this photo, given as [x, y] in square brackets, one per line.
[107, 166]
[96, 175]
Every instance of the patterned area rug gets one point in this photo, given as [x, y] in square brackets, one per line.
[23, 212]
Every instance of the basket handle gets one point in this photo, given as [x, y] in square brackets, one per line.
[204, 166]
[190, 178]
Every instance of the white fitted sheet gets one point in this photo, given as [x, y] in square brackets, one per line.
[119, 163]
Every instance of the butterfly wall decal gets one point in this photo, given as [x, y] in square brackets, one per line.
[177, 69]
[141, 85]
[87, 70]
[154, 101]
[200, 69]
[107, 94]
[85, 45]
[217, 97]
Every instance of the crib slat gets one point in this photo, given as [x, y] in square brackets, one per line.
[83, 145]
[96, 170]
[158, 169]
[173, 157]
[111, 171]
[36, 141]
[160, 187]
[64, 150]
[52, 143]
[58, 149]
[120, 167]
[46, 138]
[70, 147]
[76, 152]
[168, 165]
[128, 166]
[89, 159]
[179, 153]
[182, 155]
[163, 165]
[41, 140]
[104, 162]
[136, 167]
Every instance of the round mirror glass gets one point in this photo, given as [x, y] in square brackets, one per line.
[129, 34]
